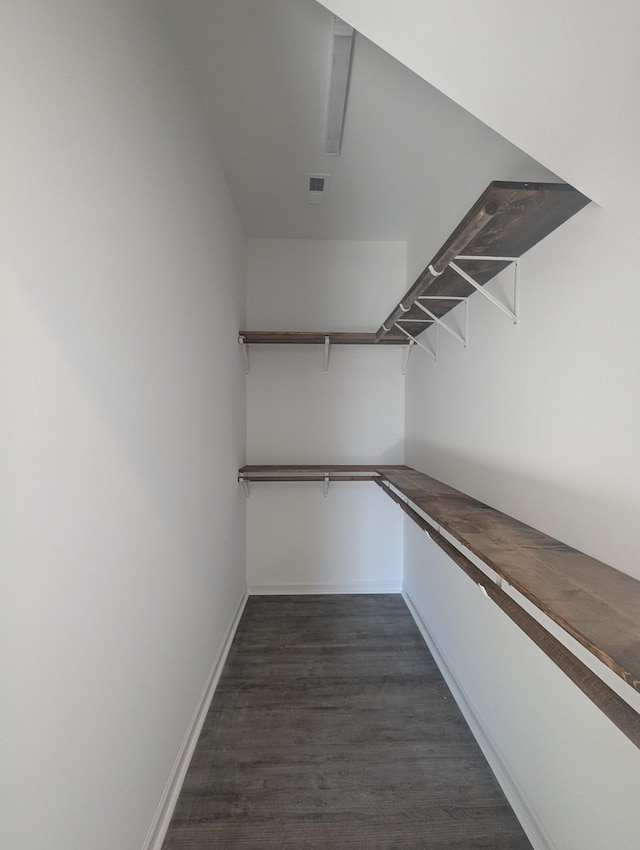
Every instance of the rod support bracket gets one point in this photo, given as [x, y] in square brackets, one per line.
[245, 353]
[461, 338]
[431, 352]
[406, 355]
[514, 314]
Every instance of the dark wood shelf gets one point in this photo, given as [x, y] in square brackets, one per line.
[316, 338]
[506, 221]
[316, 472]
[318, 467]
[331, 476]
[596, 604]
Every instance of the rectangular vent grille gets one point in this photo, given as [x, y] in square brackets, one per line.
[317, 188]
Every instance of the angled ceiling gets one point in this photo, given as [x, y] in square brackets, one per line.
[559, 79]
[412, 161]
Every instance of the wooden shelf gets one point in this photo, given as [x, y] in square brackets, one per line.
[316, 338]
[316, 472]
[595, 604]
[506, 221]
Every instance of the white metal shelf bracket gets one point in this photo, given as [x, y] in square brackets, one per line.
[326, 484]
[406, 355]
[512, 314]
[327, 342]
[432, 352]
[464, 339]
[245, 487]
[245, 354]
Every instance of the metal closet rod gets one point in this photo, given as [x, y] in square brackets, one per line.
[436, 267]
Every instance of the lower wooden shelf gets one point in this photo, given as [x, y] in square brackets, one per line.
[594, 603]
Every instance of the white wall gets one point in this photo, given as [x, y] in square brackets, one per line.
[296, 414]
[572, 777]
[541, 421]
[349, 542]
[311, 285]
[122, 270]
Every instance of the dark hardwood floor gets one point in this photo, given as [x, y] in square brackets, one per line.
[332, 728]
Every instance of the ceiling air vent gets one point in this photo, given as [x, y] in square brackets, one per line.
[317, 186]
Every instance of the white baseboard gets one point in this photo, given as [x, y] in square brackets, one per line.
[303, 589]
[534, 829]
[160, 823]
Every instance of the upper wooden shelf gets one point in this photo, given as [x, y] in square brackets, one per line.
[316, 472]
[506, 221]
[316, 338]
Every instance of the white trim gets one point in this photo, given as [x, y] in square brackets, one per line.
[520, 803]
[304, 589]
[161, 819]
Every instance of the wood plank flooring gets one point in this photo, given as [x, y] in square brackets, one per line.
[333, 728]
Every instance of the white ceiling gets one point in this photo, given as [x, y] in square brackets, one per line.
[412, 161]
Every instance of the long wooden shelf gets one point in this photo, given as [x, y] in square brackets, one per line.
[339, 469]
[315, 472]
[618, 710]
[316, 338]
[506, 221]
[330, 476]
[594, 603]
